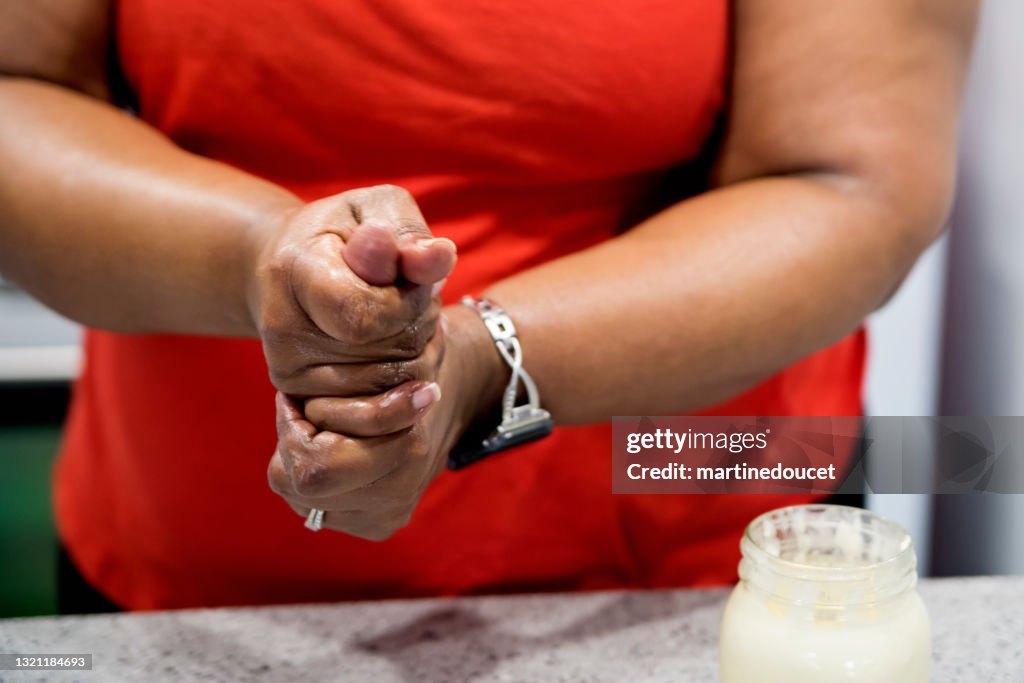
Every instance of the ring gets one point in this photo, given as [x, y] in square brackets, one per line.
[315, 519]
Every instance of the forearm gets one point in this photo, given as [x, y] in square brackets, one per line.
[708, 297]
[108, 222]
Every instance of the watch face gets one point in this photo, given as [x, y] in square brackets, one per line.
[503, 438]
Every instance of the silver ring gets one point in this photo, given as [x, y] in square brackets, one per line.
[315, 519]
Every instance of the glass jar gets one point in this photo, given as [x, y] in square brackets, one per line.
[827, 593]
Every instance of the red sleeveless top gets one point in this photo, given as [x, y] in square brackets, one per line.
[526, 131]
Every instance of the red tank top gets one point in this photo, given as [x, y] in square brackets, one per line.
[526, 131]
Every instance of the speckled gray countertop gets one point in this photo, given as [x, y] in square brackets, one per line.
[609, 636]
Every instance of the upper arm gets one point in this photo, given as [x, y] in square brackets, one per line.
[61, 41]
[861, 88]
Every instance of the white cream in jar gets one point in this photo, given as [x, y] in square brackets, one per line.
[826, 594]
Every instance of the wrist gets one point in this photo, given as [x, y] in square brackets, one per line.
[485, 374]
[515, 416]
[263, 231]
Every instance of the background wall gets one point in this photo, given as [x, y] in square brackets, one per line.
[38, 355]
[904, 360]
[952, 341]
[983, 362]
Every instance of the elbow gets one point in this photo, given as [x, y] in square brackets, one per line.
[924, 202]
[901, 210]
[910, 207]
[908, 203]
[924, 218]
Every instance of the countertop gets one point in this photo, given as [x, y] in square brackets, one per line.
[644, 636]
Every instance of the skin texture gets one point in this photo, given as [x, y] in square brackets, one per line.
[325, 330]
[835, 173]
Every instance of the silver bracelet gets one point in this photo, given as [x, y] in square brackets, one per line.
[519, 423]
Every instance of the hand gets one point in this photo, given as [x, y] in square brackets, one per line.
[367, 461]
[343, 294]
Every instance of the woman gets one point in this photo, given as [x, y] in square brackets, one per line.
[254, 198]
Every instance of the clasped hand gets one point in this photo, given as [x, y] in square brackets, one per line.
[373, 384]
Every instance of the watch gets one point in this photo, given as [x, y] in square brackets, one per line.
[519, 424]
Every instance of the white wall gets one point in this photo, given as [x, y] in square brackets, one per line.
[983, 368]
[904, 357]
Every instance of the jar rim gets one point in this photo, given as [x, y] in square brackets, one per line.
[889, 575]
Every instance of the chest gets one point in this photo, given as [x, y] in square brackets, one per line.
[511, 90]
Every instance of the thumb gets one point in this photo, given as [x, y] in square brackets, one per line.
[372, 254]
[422, 259]
[427, 261]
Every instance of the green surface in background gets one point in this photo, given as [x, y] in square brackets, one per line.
[28, 575]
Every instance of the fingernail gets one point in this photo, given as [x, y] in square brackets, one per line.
[444, 323]
[427, 244]
[426, 396]
[438, 286]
